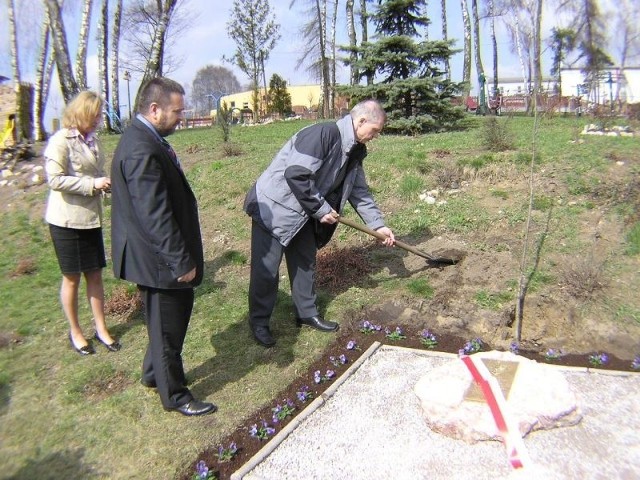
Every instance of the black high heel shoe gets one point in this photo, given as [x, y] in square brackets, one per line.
[112, 347]
[86, 350]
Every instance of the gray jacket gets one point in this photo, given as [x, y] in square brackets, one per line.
[304, 172]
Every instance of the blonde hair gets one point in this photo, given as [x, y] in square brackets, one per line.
[82, 110]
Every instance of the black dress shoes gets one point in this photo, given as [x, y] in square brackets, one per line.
[86, 350]
[318, 323]
[263, 336]
[196, 407]
[147, 384]
[112, 347]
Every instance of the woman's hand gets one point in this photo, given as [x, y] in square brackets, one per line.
[103, 184]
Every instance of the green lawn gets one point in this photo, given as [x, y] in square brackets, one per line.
[64, 416]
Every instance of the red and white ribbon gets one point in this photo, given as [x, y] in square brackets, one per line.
[509, 431]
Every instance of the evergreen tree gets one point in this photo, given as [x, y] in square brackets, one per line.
[411, 80]
[279, 97]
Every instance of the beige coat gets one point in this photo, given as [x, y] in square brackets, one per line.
[71, 168]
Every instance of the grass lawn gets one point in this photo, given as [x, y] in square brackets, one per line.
[65, 416]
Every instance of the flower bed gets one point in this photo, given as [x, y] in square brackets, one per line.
[220, 461]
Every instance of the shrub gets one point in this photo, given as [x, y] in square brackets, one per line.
[231, 150]
[581, 277]
[447, 175]
[496, 136]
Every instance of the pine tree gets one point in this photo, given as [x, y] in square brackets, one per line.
[279, 97]
[411, 78]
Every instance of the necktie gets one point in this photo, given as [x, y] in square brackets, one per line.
[172, 154]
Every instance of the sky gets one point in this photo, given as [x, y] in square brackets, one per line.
[205, 42]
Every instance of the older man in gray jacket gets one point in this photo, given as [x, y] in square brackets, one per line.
[294, 207]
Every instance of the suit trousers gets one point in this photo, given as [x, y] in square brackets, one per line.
[167, 314]
[266, 256]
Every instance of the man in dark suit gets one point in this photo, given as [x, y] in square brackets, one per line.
[156, 240]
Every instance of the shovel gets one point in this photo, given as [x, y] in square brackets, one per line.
[404, 246]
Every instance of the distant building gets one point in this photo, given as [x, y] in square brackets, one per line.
[508, 86]
[304, 100]
[619, 85]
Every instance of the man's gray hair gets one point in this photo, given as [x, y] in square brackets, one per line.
[369, 109]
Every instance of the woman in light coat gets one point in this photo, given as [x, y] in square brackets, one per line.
[77, 181]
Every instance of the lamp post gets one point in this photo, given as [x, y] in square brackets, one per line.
[127, 77]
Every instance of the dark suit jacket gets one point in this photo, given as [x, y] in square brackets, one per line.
[155, 230]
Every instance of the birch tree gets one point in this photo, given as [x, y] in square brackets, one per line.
[43, 74]
[537, 48]
[466, 50]
[154, 67]
[314, 54]
[351, 33]
[476, 47]
[83, 41]
[15, 64]
[68, 83]
[141, 21]
[364, 19]
[103, 53]
[321, 19]
[519, 19]
[333, 63]
[445, 35]
[494, 43]
[114, 58]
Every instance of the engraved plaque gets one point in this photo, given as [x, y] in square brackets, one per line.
[504, 372]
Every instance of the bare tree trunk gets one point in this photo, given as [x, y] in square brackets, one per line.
[351, 31]
[103, 54]
[332, 89]
[537, 49]
[38, 103]
[154, 67]
[321, 12]
[466, 55]
[364, 17]
[445, 35]
[518, 33]
[524, 281]
[115, 50]
[68, 83]
[81, 56]
[46, 80]
[476, 35]
[494, 45]
[15, 66]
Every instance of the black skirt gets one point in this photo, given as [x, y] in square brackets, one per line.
[78, 250]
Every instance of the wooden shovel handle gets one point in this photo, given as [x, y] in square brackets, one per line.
[381, 236]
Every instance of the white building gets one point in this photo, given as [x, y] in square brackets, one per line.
[619, 85]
